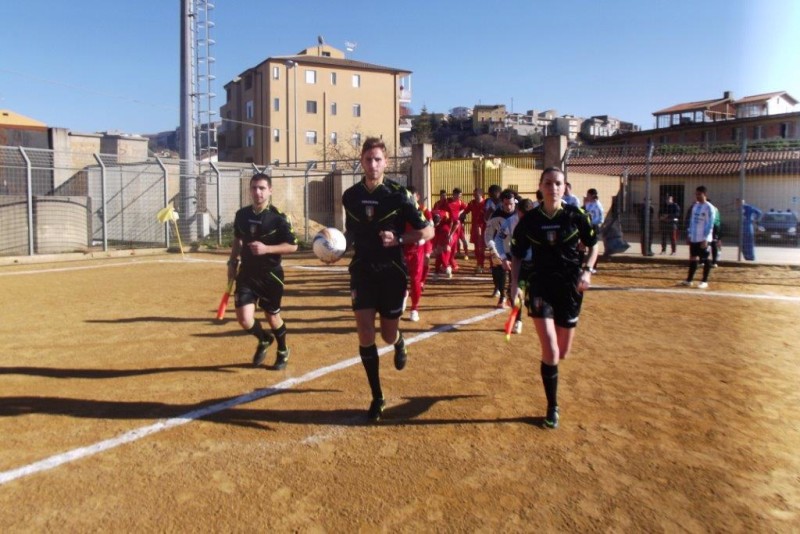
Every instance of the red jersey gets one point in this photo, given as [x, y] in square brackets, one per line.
[476, 208]
[455, 207]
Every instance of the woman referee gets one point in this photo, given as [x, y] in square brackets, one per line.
[557, 279]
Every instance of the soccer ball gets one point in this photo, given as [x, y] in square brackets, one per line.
[329, 245]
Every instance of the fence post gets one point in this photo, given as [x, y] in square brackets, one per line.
[219, 200]
[166, 198]
[103, 200]
[742, 159]
[29, 198]
[306, 211]
[647, 243]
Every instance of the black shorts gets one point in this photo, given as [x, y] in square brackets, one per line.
[378, 286]
[265, 290]
[554, 298]
[696, 250]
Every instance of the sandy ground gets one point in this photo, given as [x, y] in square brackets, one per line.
[680, 407]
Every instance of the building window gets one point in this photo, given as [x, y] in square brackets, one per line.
[250, 138]
[276, 73]
[276, 104]
[333, 108]
[276, 135]
[786, 130]
[334, 138]
[757, 132]
[311, 137]
[356, 110]
[248, 107]
[356, 80]
[311, 106]
[736, 134]
[356, 140]
[333, 78]
[248, 82]
[311, 76]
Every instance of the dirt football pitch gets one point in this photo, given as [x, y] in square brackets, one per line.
[125, 407]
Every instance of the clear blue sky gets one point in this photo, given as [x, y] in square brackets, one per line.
[97, 65]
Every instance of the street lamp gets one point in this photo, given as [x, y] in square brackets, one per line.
[291, 64]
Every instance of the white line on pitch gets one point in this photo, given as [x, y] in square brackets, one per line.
[700, 292]
[166, 424]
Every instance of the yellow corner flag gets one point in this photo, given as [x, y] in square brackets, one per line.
[169, 214]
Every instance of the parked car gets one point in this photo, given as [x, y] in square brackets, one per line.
[777, 226]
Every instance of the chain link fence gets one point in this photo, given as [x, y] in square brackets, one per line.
[55, 202]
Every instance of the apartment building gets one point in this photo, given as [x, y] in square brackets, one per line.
[298, 108]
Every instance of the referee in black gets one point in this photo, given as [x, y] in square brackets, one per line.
[557, 278]
[378, 213]
[261, 234]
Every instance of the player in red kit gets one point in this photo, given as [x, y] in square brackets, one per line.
[455, 207]
[417, 256]
[476, 208]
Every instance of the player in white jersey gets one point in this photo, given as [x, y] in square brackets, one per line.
[700, 225]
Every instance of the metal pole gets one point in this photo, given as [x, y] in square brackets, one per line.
[166, 197]
[646, 216]
[742, 159]
[310, 165]
[295, 116]
[103, 207]
[29, 198]
[219, 201]
[188, 179]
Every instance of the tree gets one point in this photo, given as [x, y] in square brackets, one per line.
[422, 127]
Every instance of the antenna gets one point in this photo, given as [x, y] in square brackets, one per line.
[350, 46]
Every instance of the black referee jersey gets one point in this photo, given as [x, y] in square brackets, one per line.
[554, 240]
[271, 227]
[387, 207]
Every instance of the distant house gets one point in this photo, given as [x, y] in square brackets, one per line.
[487, 119]
[766, 104]
[19, 130]
[461, 113]
[723, 120]
[605, 126]
[568, 125]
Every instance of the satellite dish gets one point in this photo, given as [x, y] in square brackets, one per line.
[320, 40]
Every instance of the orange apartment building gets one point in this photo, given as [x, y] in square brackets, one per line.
[290, 109]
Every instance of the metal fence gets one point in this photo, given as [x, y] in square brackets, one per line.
[639, 179]
[57, 202]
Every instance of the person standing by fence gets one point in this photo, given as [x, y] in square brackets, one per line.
[750, 215]
[669, 223]
[699, 234]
